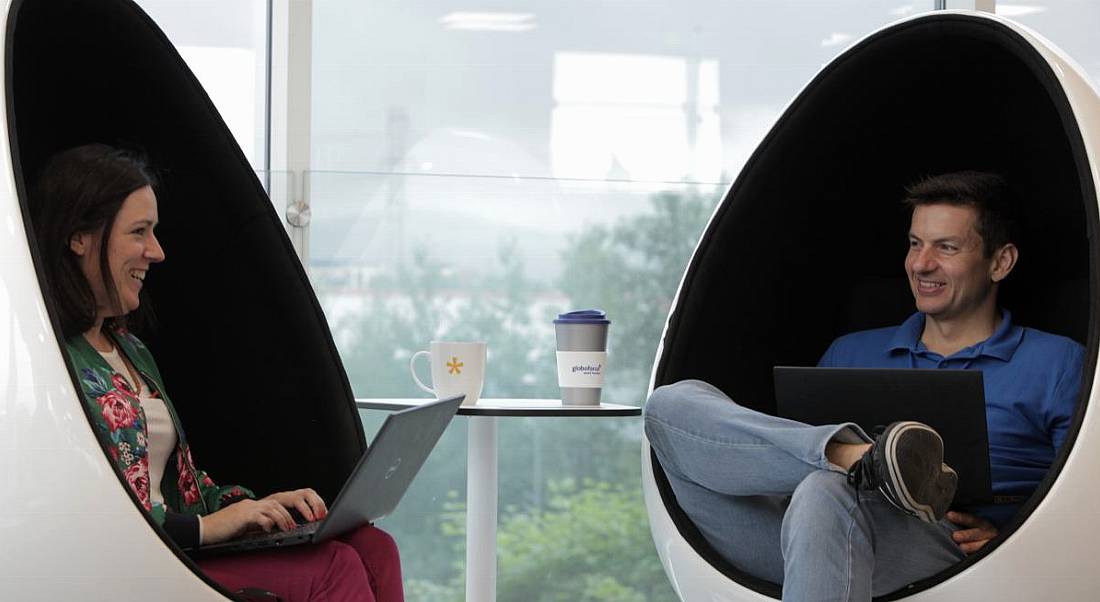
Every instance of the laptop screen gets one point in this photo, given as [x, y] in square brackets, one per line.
[950, 401]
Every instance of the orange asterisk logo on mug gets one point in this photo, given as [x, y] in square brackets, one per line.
[454, 366]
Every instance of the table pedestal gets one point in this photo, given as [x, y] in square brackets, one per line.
[481, 472]
[481, 508]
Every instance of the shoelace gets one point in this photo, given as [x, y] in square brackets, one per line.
[862, 471]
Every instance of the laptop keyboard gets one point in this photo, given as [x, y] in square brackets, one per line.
[260, 536]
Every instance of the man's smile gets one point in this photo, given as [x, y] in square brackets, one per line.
[930, 286]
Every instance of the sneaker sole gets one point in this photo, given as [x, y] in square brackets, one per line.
[925, 512]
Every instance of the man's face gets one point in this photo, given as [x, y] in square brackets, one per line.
[949, 274]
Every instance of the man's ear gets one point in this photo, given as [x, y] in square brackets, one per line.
[79, 244]
[1004, 259]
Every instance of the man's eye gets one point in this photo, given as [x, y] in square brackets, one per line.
[949, 248]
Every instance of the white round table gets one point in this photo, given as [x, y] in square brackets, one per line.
[481, 472]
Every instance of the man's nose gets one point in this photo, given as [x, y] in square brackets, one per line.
[923, 260]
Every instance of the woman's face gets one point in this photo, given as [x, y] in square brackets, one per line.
[131, 248]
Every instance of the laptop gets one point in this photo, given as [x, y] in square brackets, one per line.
[950, 401]
[375, 486]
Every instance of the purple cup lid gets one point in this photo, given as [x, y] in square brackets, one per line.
[583, 316]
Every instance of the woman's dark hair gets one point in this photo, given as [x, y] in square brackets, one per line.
[988, 193]
[80, 191]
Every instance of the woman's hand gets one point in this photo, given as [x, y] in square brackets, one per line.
[978, 534]
[305, 501]
[243, 516]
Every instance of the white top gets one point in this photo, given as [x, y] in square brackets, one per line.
[162, 433]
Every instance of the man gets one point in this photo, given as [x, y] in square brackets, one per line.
[831, 513]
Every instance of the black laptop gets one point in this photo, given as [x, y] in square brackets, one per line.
[950, 401]
[375, 486]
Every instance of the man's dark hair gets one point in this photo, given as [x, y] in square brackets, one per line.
[80, 191]
[988, 193]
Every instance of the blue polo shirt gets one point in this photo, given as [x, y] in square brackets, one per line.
[1032, 380]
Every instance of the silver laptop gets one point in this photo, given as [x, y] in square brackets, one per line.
[375, 486]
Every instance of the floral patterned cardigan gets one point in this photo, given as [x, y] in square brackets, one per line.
[119, 421]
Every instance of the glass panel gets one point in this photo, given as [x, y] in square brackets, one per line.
[224, 42]
[509, 165]
[401, 260]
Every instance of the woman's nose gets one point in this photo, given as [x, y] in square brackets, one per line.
[154, 252]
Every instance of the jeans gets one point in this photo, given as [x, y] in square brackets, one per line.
[763, 494]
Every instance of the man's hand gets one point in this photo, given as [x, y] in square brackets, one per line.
[305, 501]
[976, 531]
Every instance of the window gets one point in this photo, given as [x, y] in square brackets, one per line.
[225, 45]
[476, 172]
[1065, 23]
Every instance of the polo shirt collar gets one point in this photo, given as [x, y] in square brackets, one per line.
[1001, 344]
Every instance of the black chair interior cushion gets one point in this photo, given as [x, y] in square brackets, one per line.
[245, 350]
[810, 242]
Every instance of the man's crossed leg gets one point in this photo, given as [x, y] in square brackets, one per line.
[766, 495]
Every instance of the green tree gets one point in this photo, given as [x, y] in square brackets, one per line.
[591, 544]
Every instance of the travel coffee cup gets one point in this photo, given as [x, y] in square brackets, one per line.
[582, 355]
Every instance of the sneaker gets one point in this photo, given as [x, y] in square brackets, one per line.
[905, 464]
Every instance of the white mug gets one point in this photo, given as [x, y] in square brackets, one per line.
[457, 368]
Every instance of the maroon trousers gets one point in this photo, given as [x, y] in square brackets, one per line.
[360, 566]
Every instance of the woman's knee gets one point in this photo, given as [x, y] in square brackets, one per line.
[343, 558]
[378, 554]
[342, 576]
[381, 538]
[370, 540]
[383, 544]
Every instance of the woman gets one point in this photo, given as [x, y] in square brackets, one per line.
[94, 214]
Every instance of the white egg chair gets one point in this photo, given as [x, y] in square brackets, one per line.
[809, 242]
[242, 341]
